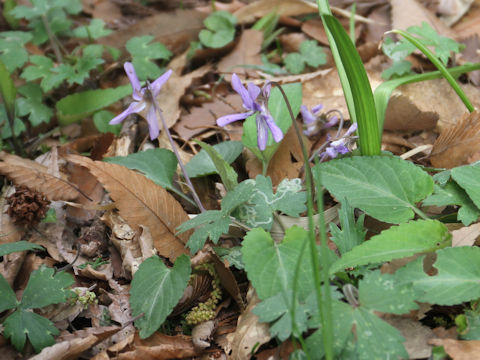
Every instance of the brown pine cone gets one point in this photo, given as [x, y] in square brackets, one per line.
[27, 207]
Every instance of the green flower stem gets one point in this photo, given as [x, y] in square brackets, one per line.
[324, 304]
[53, 39]
[180, 162]
[439, 66]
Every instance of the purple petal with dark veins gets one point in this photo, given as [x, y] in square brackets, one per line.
[152, 123]
[157, 84]
[262, 132]
[132, 76]
[134, 107]
[307, 116]
[238, 87]
[227, 119]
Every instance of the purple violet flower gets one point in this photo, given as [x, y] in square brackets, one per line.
[340, 146]
[144, 99]
[254, 101]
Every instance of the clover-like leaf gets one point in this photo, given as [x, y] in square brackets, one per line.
[156, 290]
[31, 104]
[12, 48]
[96, 29]
[312, 54]
[144, 53]
[42, 68]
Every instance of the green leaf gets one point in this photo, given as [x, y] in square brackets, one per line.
[468, 177]
[9, 248]
[32, 104]
[8, 299]
[361, 106]
[452, 194]
[472, 331]
[232, 255]
[279, 111]
[221, 29]
[143, 53]
[201, 164]
[12, 48]
[262, 204]
[227, 173]
[8, 6]
[213, 223]
[77, 106]
[352, 233]
[294, 63]
[101, 120]
[45, 287]
[457, 279]
[8, 91]
[380, 292]
[40, 330]
[18, 124]
[81, 70]
[377, 340]
[399, 68]
[397, 242]
[43, 69]
[156, 290]
[312, 54]
[385, 187]
[96, 29]
[159, 165]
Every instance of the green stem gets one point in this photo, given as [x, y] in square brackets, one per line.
[439, 66]
[352, 23]
[327, 324]
[53, 39]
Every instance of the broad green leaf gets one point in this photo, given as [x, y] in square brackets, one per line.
[96, 29]
[377, 340]
[352, 233]
[312, 54]
[202, 165]
[472, 330]
[42, 68]
[101, 120]
[262, 204]
[23, 323]
[32, 104]
[397, 242]
[468, 177]
[156, 290]
[8, 299]
[77, 106]
[279, 111]
[9, 248]
[385, 187]
[45, 287]
[362, 108]
[294, 63]
[144, 53]
[8, 91]
[221, 29]
[227, 173]
[457, 279]
[12, 48]
[159, 165]
[380, 292]
[452, 194]
[261, 255]
[213, 223]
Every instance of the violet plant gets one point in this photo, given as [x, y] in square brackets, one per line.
[145, 104]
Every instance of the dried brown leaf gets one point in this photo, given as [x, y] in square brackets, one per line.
[247, 51]
[142, 202]
[250, 332]
[466, 236]
[470, 24]
[66, 350]
[35, 176]
[261, 8]
[458, 349]
[458, 144]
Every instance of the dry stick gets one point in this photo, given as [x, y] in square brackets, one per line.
[180, 162]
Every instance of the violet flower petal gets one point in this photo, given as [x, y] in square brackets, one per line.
[307, 116]
[134, 107]
[317, 108]
[253, 91]
[132, 76]
[331, 152]
[152, 121]
[332, 122]
[276, 131]
[266, 90]
[238, 87]
[262, 132]
[157, 84]
[227, 119]
[351, 129]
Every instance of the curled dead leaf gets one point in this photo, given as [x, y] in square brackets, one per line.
[142, 202]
